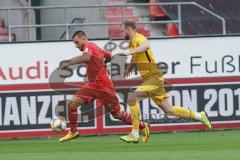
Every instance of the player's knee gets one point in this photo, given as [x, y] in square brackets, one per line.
[109, 107]
[166, 107]
[116, 115]
[167, 110]
[114, 109]
[76, 102]
[73, 104]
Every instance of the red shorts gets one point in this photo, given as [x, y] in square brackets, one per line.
[106, 93]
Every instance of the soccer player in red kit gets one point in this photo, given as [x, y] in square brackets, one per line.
[99, 86]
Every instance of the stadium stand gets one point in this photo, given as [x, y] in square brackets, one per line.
[116, 11]
[114, 14]
[114, 31]
[172, 30]
[4, 32]
[155, 11]
[198, 22]
[195, 21]
[2, 23]
[119, 19]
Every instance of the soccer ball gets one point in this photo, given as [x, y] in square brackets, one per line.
[58, 124]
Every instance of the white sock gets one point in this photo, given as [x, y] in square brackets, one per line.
[135, 133]
[198, 116]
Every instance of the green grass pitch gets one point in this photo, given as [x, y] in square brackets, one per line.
[216, 145]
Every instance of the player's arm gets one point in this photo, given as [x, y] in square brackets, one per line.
[128, 71]
[107, 60]
[143, 46]
[76, 60]
[107, 55]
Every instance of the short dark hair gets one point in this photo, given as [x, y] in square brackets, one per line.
[130, 24]
[78, 33]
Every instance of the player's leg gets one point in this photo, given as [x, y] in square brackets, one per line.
[83, 96]
[73, 116]
[143, 91]
[116, 112]
[133, 102]
[159, 96]
[182, 112]
[111, 102]
[112, 106]
[72, 112]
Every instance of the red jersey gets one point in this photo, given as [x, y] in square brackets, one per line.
[99, 86]
[96, 67]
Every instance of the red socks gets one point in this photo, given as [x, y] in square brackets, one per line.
[73, 116]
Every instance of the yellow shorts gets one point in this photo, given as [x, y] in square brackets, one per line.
[154, 87]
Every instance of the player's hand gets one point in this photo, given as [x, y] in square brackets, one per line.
[107, 60]
[126, 73]
[64, 64]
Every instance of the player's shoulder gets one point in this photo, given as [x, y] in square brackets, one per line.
[93, 46]
[140, 36]
[90, 44]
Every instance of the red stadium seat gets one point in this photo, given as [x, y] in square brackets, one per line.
[114, 15]
[3, 31]
[117, 27]
[172, 29]
[119, 19]
[156, 11]
[1, 23]
[144, 31]
[4, 38]
[116, 11]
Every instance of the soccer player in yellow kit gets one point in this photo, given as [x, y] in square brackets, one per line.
[152, 85]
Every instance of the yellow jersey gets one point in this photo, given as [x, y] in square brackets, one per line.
[144, 61]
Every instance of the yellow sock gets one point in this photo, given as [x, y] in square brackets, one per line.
[135, 116]
[185, 113]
